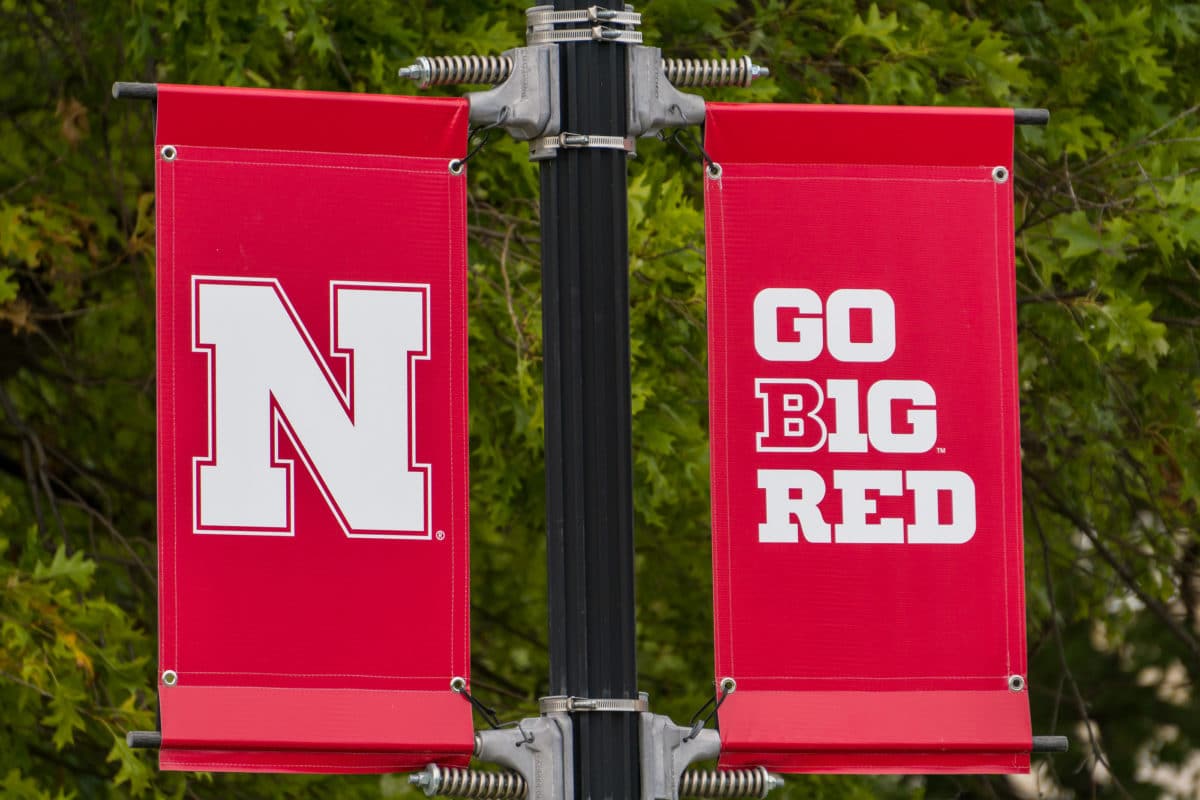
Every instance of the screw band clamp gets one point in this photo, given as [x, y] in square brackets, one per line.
[596, 33]
[548, 146]
[572, 141]
[569, 705]
[542, 15]
[540, 22]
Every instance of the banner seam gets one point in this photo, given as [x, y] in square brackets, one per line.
[1004, 520]
[314, 166]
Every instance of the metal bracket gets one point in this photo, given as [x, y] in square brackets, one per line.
[540, 748]
[563, 704]
[654, 103]
[527, 105]
[667, 752]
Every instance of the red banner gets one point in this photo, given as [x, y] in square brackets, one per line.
[867, 546]
[312, 431]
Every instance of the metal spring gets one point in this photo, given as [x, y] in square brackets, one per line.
[685, 72]
[753, 782]
[473, 783]
[444, 70]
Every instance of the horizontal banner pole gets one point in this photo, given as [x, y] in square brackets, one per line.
[1031, 116]
[126, 90]
[1050, 744]
[144, 740]
[130, 90]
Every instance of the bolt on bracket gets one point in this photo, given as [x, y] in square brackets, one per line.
[527, 104]
[667, 751]
[654, 102]
[541, 749]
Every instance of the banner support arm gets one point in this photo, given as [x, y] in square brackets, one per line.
[1039, 117]
[1050, 744]
[127, 90]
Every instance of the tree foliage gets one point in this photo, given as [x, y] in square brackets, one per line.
[1108, 246]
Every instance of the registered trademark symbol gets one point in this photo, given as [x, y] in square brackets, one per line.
[942, 450]
[440, 535]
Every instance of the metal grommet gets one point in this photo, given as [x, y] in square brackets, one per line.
[457, 165]
[728, 685]
[458, 685]
[1000, 174]
[713, 170]
[1016, 683]
[169, 152]
[170, 678]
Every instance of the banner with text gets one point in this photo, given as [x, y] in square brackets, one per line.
[867, 546]
[312, 431]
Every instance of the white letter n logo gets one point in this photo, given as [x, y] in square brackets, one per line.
[266, 378]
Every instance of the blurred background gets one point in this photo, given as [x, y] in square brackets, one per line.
[1108, 275]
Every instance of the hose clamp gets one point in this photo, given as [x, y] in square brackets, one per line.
[542, 16]
[570, 705]
[548, 146]
[596, 33]
[603, 25]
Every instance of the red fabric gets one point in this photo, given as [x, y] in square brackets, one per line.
[264, 729]
[298, 761]
[326, 122]
[315, 651]
[876, 731]
[880, 656]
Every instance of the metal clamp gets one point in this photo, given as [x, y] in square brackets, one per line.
[557, 704]
[581, 140]
[544, 15]
[540, 22]
[548, 146]
[596, 33]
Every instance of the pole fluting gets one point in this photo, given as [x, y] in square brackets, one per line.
[589, 463]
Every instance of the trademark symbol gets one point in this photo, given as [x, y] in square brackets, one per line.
[942, 450]
[440, 535]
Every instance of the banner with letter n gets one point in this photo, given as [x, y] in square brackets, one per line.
[867, 544]
[312, 431]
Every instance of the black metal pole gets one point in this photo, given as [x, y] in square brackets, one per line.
[589, 462]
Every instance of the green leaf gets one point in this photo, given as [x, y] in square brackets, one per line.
[875, 28]
[74, 568]
[1079, 233]
[64, 716]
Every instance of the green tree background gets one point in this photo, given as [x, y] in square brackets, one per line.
[1108, 270]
